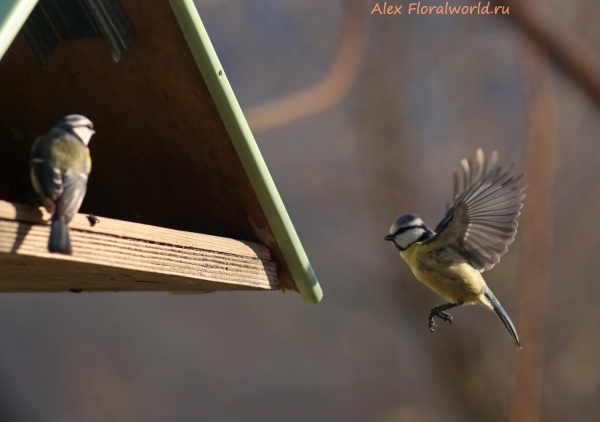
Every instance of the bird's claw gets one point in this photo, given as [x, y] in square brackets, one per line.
[93, 219]
[435, 312]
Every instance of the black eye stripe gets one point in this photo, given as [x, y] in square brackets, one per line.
[403, 229]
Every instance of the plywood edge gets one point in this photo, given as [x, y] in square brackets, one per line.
[124, 256]
[29, 274]
[245, 145]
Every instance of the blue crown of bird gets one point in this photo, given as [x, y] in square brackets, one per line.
[475, 232]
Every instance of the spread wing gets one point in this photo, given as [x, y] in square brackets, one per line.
[482, 220]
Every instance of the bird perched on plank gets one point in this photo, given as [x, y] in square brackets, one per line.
[60, 165]
[471, 238]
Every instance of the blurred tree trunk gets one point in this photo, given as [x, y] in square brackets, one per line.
[537, 233]
[571, 52]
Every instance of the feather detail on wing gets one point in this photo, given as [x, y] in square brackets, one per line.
[49, 178]
[482, 220]
[47, 181]
[75, 187]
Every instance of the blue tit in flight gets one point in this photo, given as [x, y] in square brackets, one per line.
[471, 238]
[60, 166]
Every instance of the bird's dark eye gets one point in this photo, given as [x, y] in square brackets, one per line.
[403, 229]
[90, 126]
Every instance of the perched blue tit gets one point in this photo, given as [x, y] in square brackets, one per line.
[471, 238]
[60, 165]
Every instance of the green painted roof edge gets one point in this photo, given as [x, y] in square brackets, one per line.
[13, 14]
[245, 145]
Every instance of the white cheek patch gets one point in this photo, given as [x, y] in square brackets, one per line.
[404, 240]
[84, 134]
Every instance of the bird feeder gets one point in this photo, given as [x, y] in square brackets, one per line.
[183, 195]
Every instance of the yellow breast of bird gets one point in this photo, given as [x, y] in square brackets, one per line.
[445, 271]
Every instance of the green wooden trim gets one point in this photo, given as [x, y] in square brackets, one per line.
[13, 14]
[245, 145]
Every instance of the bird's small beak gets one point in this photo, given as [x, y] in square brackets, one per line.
[389, 237]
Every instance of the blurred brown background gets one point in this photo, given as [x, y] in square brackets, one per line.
[429, 91]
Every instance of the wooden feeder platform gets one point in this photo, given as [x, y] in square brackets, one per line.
[114, 255]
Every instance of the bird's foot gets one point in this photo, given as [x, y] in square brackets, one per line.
[437, 312]
[93, 219]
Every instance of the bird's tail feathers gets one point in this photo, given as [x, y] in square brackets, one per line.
[59, 236]
[503, 316]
